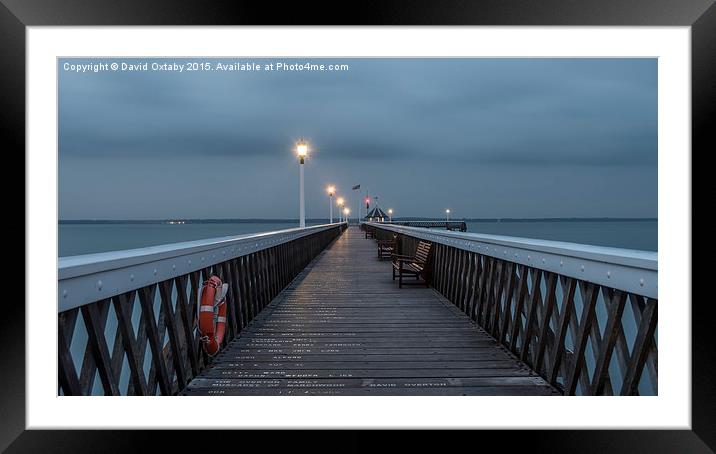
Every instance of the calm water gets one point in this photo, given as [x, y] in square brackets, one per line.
[77, 239]
[640, 235]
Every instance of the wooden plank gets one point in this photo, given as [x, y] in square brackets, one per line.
[379, 391]
[507, 309]
[350, 382]
[123, 311]
[614, 320]
[569, 286]
[585, 327]
[637, 305]
[187, 322]
[231, 317]
[68, 379]
[98, 344]
[165, 293]
[547, 314]
[146, 300]
[527, 353]
[521, 279]
[218, 372]
[640, 351]
[494, 325]
[89, 365]
[248, 313]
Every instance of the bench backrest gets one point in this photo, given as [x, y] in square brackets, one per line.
[423, 251]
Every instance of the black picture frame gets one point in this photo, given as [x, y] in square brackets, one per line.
[700, 15]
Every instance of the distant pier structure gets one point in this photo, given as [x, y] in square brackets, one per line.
[380, 216]
[376, 215]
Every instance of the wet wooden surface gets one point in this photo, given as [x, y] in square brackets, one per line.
[343, 327]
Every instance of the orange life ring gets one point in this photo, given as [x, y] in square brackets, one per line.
[212, 314]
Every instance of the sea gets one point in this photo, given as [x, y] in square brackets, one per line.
[87, 237]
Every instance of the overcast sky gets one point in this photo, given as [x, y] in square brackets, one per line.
[483, 137]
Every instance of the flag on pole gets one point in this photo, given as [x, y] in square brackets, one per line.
[356, 187]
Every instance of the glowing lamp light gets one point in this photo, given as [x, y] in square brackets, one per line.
[390, 211]
[346, 211]
[331, 190]
[340, 201]
[302, 150]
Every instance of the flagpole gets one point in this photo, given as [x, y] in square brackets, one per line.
[358, 212]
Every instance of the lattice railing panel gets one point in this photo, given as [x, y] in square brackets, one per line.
[585, 338]
[145, 341]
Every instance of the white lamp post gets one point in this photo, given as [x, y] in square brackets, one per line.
[447, 215]
[340, 203]
[390, 215]
[302, 152]
[346, 212]
[331, 190]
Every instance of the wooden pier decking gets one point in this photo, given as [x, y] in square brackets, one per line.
[343, 327]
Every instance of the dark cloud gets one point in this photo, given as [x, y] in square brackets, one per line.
[544, 114]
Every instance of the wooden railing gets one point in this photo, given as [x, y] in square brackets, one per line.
[583, 317]
[127, 319]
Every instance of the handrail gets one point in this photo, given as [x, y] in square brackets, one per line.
[86, 278]
[624, 269]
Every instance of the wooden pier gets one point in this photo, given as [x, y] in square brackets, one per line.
[343, 327]
[313, 311]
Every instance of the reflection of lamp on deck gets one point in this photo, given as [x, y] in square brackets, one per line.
[331, 190]
[301, 152]
[340, 203]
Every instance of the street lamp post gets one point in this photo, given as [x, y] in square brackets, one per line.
[302, 152]
[331, 190]
[447, 215]
[346, 212]
[390, 215]
[340, 203]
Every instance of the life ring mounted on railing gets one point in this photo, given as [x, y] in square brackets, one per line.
[212, 314]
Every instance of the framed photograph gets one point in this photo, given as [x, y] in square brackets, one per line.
[419, 217]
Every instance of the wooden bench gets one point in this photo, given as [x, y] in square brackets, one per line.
[386, 248]
[404, 265]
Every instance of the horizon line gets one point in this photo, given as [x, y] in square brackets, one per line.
[404, 218]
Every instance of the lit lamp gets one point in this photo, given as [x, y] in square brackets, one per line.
[447, 215]
[331, 190]
[340, 203]
[301, 152]
[346, 212]
[390, 214]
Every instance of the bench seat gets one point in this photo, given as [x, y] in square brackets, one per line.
[412, 265]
